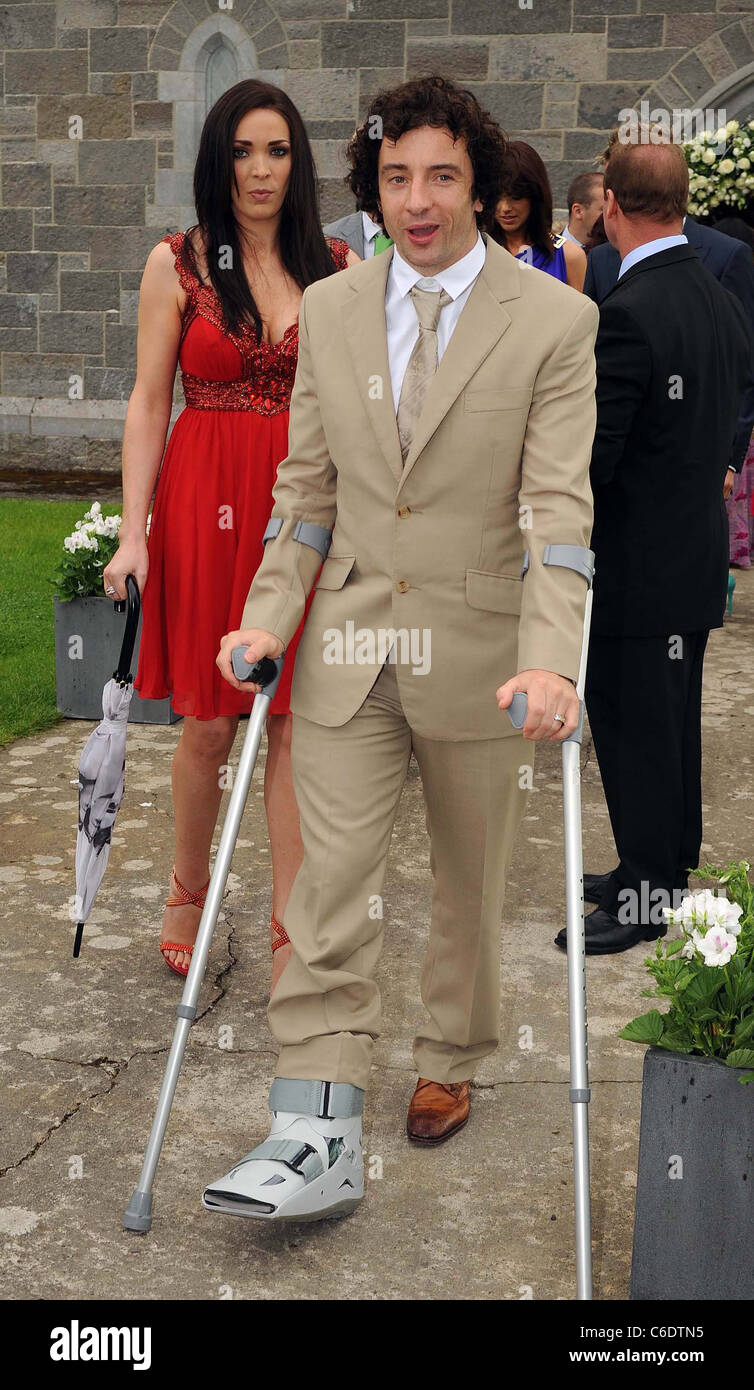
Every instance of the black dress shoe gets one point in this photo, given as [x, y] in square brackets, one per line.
[604, 935]
[596, 885]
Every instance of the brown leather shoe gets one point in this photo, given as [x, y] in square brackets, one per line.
[437, 1110]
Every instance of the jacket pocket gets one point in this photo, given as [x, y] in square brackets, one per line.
[335, 571]
[497, 593]
[502, 398]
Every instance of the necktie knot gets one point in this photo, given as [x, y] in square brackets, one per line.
[429, 305]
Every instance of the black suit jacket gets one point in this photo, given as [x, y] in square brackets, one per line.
[673, 354]
[731, 263]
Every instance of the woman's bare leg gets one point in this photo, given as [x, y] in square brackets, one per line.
[286, 848]
[199, 758]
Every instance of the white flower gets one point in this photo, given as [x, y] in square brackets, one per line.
[717, 946]
[726, 166]
[732, 126]
[95, 509]
[708, 156]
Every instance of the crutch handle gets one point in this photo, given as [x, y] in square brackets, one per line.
[262, 672]
[518, 706]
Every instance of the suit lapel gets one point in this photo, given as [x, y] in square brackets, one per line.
[482, 323]
[366, 335]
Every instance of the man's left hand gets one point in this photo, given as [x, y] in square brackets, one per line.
[547, 694]
[729, 483]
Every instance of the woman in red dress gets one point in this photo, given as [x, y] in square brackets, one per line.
[222, 301]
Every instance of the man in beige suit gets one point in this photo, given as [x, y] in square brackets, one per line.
[441, 425]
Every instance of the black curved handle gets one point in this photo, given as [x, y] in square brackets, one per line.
[122, 671]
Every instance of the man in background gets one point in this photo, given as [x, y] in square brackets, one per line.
[669, 386]
[584, 207]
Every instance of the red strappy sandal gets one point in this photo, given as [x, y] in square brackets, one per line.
[182, 898]
[280, 936]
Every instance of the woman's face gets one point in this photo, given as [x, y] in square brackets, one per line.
[262, 163]
[512, 213]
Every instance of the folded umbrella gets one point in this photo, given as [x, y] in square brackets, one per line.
[102, 773]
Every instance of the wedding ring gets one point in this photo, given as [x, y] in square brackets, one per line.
[112, 591]
[559, 718]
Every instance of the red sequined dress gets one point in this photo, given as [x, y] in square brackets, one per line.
[213, 502]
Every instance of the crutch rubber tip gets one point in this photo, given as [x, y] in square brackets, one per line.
[138, 1215]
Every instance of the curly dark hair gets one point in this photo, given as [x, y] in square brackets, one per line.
[437, 102]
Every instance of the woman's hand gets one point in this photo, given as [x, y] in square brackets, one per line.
[131, 557]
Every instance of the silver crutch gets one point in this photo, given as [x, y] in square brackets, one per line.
[582, 560]
[266, 673]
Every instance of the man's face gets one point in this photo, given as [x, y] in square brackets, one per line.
[425, 188]
[593, 208]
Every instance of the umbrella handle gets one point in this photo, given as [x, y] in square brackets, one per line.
[122, 671]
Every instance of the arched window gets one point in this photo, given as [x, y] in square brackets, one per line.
[221, 70]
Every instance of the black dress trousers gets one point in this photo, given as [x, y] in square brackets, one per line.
[644, 702]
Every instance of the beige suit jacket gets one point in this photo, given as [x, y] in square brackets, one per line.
[499, 464]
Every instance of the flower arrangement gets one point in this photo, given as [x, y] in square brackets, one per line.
[721, 169]
[90, 546]
[707, 973]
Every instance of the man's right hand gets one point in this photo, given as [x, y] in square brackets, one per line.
[257, 643]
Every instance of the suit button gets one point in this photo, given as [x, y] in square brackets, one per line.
[403, 512]
[403, 587]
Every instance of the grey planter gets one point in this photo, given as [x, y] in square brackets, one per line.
[83, 666]
[694, 1225]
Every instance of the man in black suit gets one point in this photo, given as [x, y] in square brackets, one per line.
[673, 357]
[731, 263]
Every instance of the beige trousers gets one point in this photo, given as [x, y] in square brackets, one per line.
[325, 1011]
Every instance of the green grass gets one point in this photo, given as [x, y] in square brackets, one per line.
[31, 543]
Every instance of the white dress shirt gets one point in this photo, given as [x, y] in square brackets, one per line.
[371, 230]
[650, 248]
[400, 315]
[568, 235]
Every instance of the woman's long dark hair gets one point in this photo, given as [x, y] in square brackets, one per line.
[528, 179]
[303, 248]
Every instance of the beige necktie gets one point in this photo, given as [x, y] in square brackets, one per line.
[422, 363]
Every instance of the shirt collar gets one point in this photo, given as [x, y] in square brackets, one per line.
[454, 279]
[650, 248]
[371, 229]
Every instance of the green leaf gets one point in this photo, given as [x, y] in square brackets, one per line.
[674, 946]
[740, 1057]
[645, 1029]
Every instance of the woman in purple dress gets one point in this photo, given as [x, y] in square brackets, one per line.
[523, 220]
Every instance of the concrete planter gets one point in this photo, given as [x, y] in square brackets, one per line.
[694, 1225]
[88, 637]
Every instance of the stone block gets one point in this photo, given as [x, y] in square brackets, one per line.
[123, 248]
[516, 105]
[330, 159]
[73, 38]
[27, 26]
[600, 102]
[641, 64]
[359, 42]
[153, 117]
[305, 53]
[89, 292]
[19, 120]
[39, 374]
[129, 306]
[584, 145]
[107, 118]
[689, 29]
[480, 17]
[61, 238]
[144, 86]
[17, 230]
[120, 345]
[401, 9]
[116, 161]
[42, 71]
[737, 44]
[601, 8]
[693, 75]
[32, 273]
[109, 383]
[456, 58]
[312, 9]
[330, 93]
[61, 156]
[118, 50]
[174, 186]
[18, 322]
[427, 26]
[636, 31]
[560, 114]
[87, 14]
[574, 57]
[101, 206]
[66, 331]
[716, 58]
